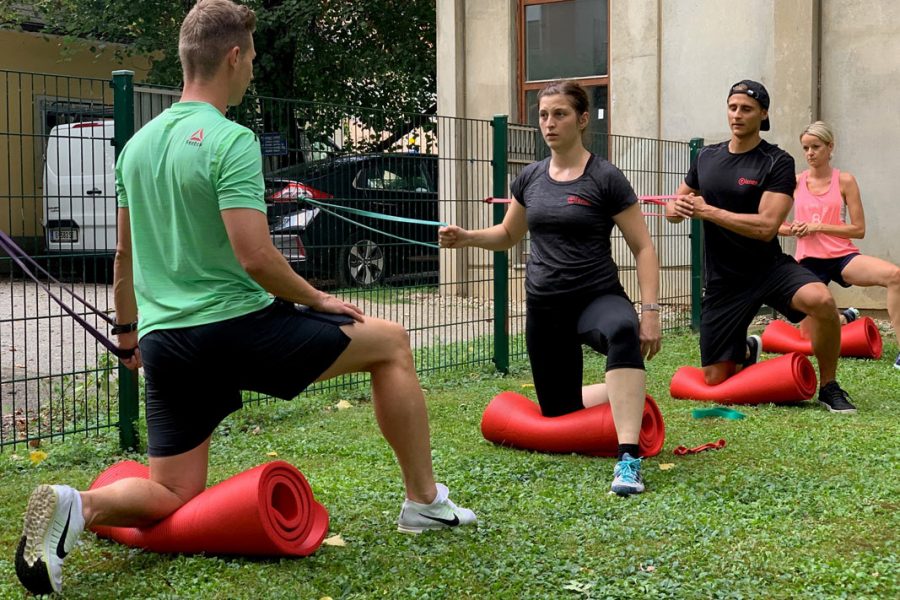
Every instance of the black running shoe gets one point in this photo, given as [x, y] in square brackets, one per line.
[835, 399]
[754, 348]
[850, 314]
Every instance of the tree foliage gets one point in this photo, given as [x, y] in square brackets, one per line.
[379, 54]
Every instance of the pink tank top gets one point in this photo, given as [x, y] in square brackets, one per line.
[825, 208]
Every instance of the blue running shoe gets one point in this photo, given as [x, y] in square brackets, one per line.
[627, 477]
[897, 362]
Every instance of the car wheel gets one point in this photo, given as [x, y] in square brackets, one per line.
[363, 264]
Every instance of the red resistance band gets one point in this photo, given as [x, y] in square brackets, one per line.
[682, 450]
[658, 200]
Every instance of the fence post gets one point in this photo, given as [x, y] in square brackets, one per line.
[696, 252]
[501, 259]
[123, 119]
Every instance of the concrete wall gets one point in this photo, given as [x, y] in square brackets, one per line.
[860, 65]
[634, 65]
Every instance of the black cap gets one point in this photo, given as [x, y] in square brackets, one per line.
[755, 90]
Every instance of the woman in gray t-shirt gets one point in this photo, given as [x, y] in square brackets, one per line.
[570, 203]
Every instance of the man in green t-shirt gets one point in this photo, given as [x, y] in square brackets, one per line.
[195, 277]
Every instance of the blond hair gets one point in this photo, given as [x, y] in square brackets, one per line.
[209, 31]
[821, 130]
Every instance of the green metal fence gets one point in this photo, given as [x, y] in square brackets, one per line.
[462, 309]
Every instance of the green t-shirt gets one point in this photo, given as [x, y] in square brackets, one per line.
[175, 176]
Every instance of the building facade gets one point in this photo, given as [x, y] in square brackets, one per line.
[662, 69]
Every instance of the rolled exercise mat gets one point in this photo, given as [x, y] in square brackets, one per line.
[511, 419]
[268, 510]
[788, 378]
[859, 339]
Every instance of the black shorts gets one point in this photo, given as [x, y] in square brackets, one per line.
[829, 269]
[193, 376]
[554, 334]
[728, 309]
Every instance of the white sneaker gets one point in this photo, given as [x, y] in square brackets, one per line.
[442, 513]
[53, 523]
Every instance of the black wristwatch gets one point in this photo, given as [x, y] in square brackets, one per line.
[124, 328]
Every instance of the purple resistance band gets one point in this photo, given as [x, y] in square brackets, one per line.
[20, 257]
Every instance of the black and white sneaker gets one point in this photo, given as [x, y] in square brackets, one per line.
[754, 349]
[897, 362]
[53, 522]
[835, 399]
[850, 314]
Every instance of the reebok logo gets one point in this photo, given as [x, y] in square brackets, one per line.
[577, 200]
[196, 138]
[448, 522]
[745, 181]
[61, 546]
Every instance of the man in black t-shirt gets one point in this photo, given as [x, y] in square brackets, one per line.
[742, 190]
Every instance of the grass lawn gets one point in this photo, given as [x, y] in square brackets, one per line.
[799, 504]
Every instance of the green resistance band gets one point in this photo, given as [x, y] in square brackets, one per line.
[326, 207]
[718, 411]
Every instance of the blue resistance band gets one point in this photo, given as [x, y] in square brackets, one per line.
[325, 207]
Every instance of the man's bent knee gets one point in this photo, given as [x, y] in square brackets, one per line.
[816, 301]
[717, 373]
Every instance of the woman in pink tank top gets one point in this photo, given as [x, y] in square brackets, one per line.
[824, 243]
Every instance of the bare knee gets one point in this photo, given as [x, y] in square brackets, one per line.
[395, 345]
[716, 374]
[820, 305]
[894, 279]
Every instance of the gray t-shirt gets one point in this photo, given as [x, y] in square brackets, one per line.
[570, 224]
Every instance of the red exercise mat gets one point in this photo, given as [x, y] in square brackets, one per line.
[859, 339]
[788, 378]
[266, 511]
[511, 419]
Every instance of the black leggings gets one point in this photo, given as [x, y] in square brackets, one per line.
[554, 333]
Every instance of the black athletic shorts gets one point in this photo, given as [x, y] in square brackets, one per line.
[728, 309]
[193, 376]
[554, 333]
[829, 269]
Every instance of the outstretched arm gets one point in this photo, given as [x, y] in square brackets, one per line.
[498, 238]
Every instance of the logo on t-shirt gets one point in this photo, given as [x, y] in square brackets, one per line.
[196, 137]
[577, 200]
[741, 181]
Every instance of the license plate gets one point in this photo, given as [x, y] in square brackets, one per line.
[64, 235]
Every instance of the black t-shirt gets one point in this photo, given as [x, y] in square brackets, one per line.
[570, 224]
[736, 182]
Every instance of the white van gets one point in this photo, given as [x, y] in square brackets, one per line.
[80, 189]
